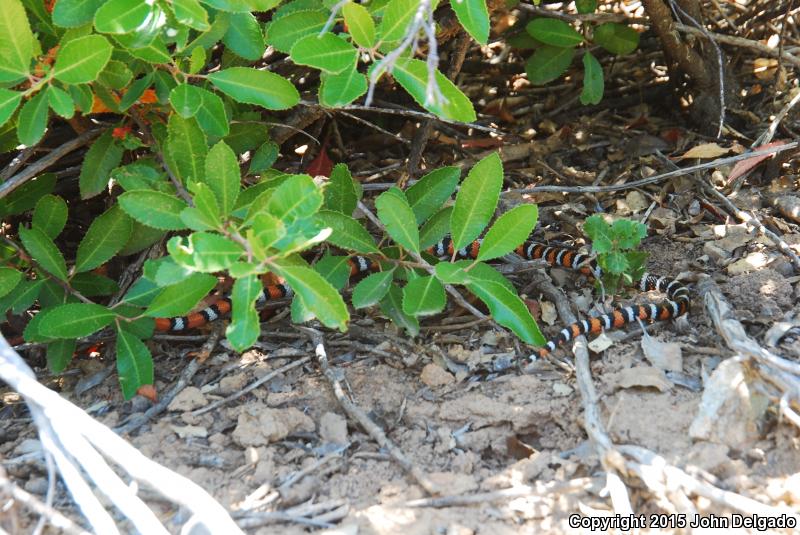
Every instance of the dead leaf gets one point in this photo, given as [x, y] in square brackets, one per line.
[149, 392]
[765, 68]
[642, 376]
[662, 355]
[705, 150]
[744, 166]
[601, 343]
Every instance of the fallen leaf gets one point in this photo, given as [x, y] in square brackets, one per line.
[321, 165]
[149, 392]
[705, 150]
[744, 166]
[642, 376]
[663, 355]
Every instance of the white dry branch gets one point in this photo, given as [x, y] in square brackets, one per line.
[77, 444]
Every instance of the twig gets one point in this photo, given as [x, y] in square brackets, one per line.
[40, 165]
[359, 416]
[742, 42]
[300, 474]
[768, 134]
[24, 155]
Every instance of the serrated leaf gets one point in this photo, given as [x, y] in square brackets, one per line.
[436, 228]
[325, 52]
[548, 63]
[153, 208]
[187, 147]
[554, 32]
[135, 91]
[93, 285]
[392, 306]
[134, 363]
[600, 233]
[205, 214]
[317, 294]
[59, 354]
[613, 262]
[412, 74]
[616, 38]
[264, 157]
[428, 195]
[453, 272]
[239, 6]
[81, 60]
[116, 75]
[360, 24]
[268, 230]
[102, 157]
[339, 90]
[474, 17]
[476, 200]
[585, 6]
[372, 289]
[340, 194]
[180, 298]
[397, 15]
[296, 198]
[105, 237]
[395, 213]
[423, 296]
[204, 251]
[244, 329]
[593, 84]
[26, 196]
[347, 232]
[9, 101]
[122, 16]
[244, 36]
[32, 120]
[283, 33]
[510, 230]
[74, 13]
[60, 101]
[185, 100]
[16, 41]
[142, 292]
[508, 310]
[334, 269]
[42, 249]
[251, 86]
[74, 320]
[222, 176]
[50, 215]
[9, 279]
[192, 14]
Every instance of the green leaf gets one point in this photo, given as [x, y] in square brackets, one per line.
[116, 75]
[9, 101]
[392, 306]
[197, 60]
[412, 74]
[372, 289]
[105, 237]
[92, 285]
[436, 228]
[347, 232]
[222, 176]
[153, 208]
[26, 196]
[81, 60]
[32, 119]
[317, 294]
[592, 80]
[628, 233]
[247, 136]
[180, 298]
[508, 310]
[326, 52]
[142, 292]
[395, 213]
[185, 100]
[203, 105]
[297, 198]
[511, 229]
[134, 363]
[244, 329]
[340, 194]
[103, 156]
[339, 90]
[74, 320]
[334, 269]
[548, 63]
[44, 251]
[585, 7]
[613, 262]
[135, 91]
[423, 296]
[251, 86]
[59, 354]
[453, 272]
[205, 214]
[244, 36]
[16, 41]
[61, 102]
[74, 13]
[283, 33]
[428, 195]
[476, 200]
[616, 38]
[600, 233]
[264, 157]
[192, 14]
[360, 24]
[268, 230]
[204, 251]
[9, 279]
[397, 15]
[474, 17]
[122, 16]
[554, 32]
[187, 147]
[50, 215]
[239, 6]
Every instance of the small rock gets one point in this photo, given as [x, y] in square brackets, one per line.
[29, 445]
[561, 389]
[333, 428]
[259, 425]
[193, 431]
[451, 483]
[188, 399]
[231, 384]
[36, 485]
[432, 375]
[751, 262]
